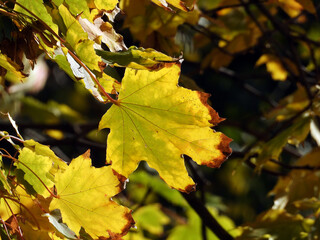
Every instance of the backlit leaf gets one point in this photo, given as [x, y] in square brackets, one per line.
[274, 67]
[9, 206]
[43, 150]
[84, 48]
[151, 218]
[84, 200]
[12, 67]
[35, 166]
[137, 58]
[157, 121]
[38, 9]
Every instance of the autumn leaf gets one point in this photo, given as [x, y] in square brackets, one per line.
[157, 121]
[12, 205]
[275, 66]
[84, 194]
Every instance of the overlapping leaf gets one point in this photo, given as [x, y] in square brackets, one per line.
[137, 58]
[38, 9]
[277, 224]
[11, 68]
[154, 26]
[84, 200]
[157, 121]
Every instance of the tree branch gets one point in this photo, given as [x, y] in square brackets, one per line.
[206, 216]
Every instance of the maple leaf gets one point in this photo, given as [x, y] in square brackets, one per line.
[157, 121]
[84, 199]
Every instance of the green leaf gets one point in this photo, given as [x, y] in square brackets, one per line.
[45, 151]
[12, 205]
[151, 218]
[3, 177]
[75, 33]
[159, 187]
[36, 168]
[77, 7]
[137, 58]
[157, 121]
[84, 194]
[38, 9]
[192, 229]
[106, 5]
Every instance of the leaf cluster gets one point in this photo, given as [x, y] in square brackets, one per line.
[260, 58]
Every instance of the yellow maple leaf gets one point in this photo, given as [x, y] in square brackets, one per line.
[84, 199]
[157, 121]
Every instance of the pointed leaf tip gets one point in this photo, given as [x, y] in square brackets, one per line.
[85, 200]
